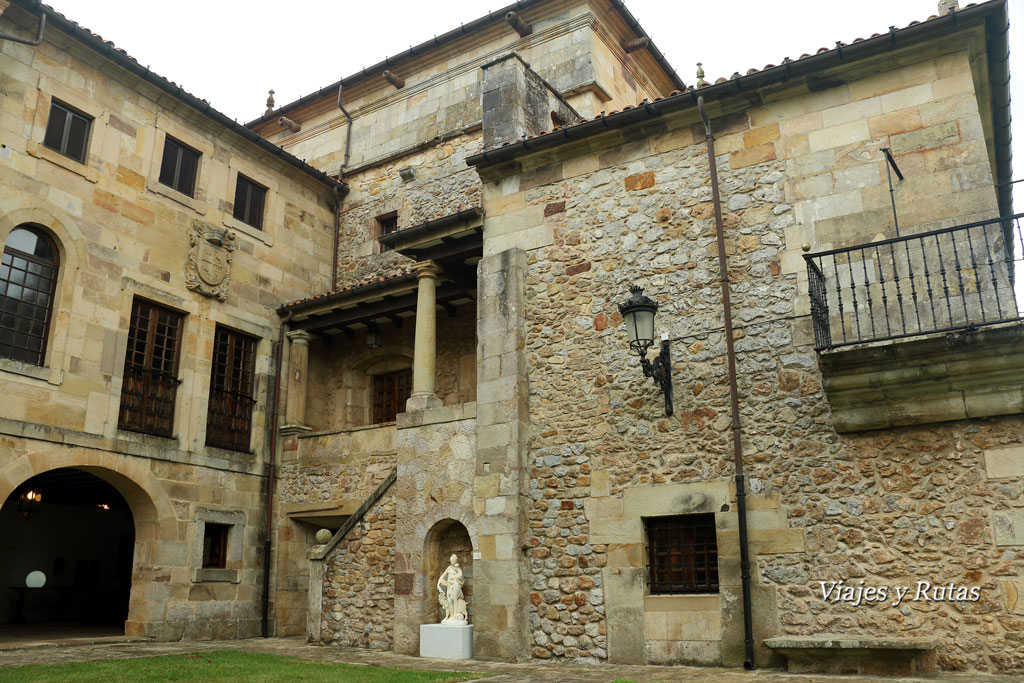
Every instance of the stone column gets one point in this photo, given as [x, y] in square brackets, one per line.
[500, 485]
[425, 352]
[298, 362]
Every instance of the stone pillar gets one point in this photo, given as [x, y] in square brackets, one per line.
[425, 352]
[500, 484]
[298, 362]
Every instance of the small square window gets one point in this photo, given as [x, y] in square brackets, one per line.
[178, 167]
[249, 199]
[215, 545]
[67, 131]
[682, 554]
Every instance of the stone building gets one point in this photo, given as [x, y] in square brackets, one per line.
[147, 241]
[455, 373]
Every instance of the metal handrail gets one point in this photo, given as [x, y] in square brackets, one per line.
[943, 280]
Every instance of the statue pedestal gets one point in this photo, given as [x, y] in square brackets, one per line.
[446, 641]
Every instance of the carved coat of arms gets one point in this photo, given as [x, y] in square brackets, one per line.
[208, 268]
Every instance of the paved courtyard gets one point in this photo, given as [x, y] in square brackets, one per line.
[93, 649]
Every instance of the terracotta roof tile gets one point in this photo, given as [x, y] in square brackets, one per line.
[349, 288]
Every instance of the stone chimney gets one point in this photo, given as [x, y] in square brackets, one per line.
[946, 5]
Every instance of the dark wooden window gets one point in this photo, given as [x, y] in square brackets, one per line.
[178, 167]
[387, 224]
[215, 545]
[67, 131]
[28, 281]
[232, 389]
[390, 392]
[682, 554]
[249, 198]
[151, 369]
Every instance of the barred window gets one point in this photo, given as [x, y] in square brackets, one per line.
[178, 166]
[682, 554]
[28, 282]
[390, 392]
[232, 390]
[67, 131]
[151, 369]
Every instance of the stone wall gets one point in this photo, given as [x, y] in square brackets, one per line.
[898, 506]
[122, 234]
[435, 474]
[359, 583]
[442, 185]
[575, 47]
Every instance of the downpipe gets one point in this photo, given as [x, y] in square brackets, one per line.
[741, 493]
[271, 477]
[341, 190]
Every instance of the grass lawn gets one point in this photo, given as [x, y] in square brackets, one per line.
[225, 665]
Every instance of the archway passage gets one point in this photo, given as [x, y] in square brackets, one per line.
[446, 538]
[81, 535]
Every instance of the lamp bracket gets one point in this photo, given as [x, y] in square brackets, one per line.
[660, 370]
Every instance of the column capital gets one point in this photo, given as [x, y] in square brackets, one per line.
[299, 337]
[427, 269]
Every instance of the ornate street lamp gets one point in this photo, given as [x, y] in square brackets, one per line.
[638, 313]
[29, 502]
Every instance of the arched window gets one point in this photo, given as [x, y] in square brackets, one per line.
[28, 280]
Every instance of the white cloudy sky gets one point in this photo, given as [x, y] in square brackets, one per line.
[231, 52]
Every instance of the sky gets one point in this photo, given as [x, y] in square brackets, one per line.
[231, 52]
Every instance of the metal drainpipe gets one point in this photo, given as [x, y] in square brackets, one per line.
[338, 191]
[741, 494]
[271, 475]
[26, 41]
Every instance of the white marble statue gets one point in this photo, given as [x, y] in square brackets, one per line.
[449, 593]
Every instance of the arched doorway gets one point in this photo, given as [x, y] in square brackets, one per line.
[446, 538]
[79, 531]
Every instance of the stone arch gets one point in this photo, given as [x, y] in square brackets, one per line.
[156, 527]
[446, 537]
[70, 243]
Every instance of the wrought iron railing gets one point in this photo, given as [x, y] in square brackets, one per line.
[937, 281]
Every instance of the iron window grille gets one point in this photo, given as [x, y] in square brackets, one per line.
[249, 199]
[179, 166]
[215, 545]
[151, 369]
[682, 554]
[67, 131]
[232, 389]
[390, 392]
[28, 282]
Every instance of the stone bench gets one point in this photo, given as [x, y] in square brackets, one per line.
[837, 654]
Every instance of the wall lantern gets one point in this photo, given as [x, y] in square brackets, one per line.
[29, 502]
[374, 339]
[638, 313]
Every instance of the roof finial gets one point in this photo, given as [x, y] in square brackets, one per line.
[700, 76]
[270, 102]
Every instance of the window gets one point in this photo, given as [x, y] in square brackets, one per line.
[179, 166]
[390, 392]
[215, 545]
[387, 224]
[249, 198]
[151, 369]
[229, 415]
[682, 554]
[67, 131]
[28, 281]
